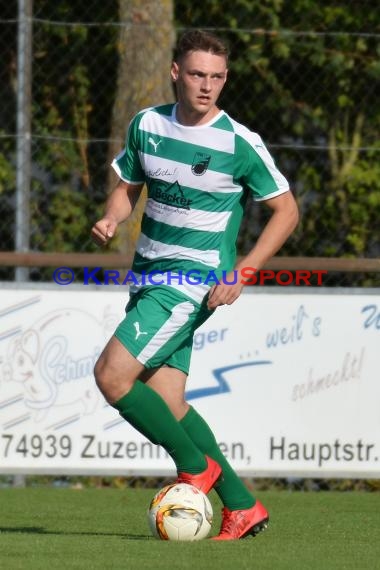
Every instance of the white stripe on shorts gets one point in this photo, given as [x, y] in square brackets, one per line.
[179, 317]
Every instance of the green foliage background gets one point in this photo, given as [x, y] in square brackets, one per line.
[303, 74]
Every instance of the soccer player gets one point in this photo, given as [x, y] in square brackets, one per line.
[199, 166]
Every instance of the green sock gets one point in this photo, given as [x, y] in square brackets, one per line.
[231, 490]
[147, 412]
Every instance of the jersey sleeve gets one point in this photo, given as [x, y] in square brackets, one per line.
[127, 163]
[255, 168]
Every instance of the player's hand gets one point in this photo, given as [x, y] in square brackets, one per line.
[224, 294]
[103, 231]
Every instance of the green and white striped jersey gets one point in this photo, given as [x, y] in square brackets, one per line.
[198, 179]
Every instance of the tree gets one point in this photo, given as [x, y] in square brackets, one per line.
[145, 47]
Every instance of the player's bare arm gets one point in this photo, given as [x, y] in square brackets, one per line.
[281, 224]
[119, 207]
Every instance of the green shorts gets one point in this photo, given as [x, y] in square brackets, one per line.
[159, 326]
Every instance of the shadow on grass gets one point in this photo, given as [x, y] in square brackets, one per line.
[42, 530]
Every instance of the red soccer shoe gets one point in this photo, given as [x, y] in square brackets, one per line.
[239, 524]
[203, 481]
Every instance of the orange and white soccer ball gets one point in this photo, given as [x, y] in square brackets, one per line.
[180, 512]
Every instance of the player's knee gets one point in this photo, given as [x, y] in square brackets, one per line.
[99, 370]
[101, 374]
[112, 382]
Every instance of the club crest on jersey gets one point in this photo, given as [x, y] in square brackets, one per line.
[200, 163]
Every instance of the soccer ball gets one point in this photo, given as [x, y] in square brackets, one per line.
[180, 512]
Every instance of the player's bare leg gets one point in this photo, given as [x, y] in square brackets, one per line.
[170, 383]
[116, 371]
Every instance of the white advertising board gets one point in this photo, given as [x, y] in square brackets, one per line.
[288, 380]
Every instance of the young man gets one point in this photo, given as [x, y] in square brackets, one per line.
[199, 166]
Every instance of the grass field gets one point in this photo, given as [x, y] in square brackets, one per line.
[59, 529]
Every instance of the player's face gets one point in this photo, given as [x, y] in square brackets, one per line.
[199, 78]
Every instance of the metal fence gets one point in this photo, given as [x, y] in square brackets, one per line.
[311, 92]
